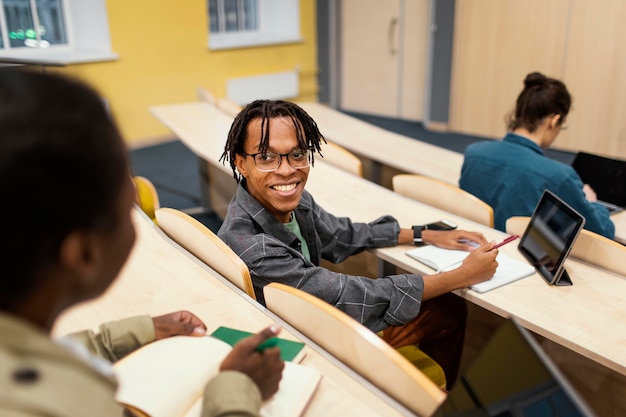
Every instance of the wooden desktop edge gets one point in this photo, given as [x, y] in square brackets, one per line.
[310, 343]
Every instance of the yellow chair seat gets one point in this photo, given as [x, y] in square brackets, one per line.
[424, 363]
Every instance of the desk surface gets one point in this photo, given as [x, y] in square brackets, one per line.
[587, 318]
[384, 146]
[159, 277]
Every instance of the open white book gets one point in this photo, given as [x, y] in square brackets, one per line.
[441, 260]
[166, 378]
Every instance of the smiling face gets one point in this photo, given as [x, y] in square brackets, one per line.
[278, 191]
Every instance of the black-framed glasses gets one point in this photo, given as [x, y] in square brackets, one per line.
[270, 161]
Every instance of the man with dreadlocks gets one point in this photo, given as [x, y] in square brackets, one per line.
[281, 234]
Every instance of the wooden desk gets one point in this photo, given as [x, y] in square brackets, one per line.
[385, 148]
[587, 318]
[160, 278]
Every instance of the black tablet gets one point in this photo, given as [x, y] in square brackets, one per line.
[549, 237]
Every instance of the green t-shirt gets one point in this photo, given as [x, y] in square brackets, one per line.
[294, 228]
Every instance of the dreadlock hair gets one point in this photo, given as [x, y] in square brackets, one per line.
[307, 132]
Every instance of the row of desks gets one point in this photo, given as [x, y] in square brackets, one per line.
[587, 318]
[160, 277]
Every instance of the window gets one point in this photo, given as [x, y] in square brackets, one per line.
[227, 16]
[30, 24]
[64, 31]
[244, 23]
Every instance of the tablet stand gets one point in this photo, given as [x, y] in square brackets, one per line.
[563, 278]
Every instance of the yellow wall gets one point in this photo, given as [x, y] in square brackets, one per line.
[163, 58]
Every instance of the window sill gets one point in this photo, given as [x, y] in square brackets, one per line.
[216, 43]
[57, 58]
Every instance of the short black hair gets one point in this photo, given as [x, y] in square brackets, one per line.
[63, 164]
[307, 132]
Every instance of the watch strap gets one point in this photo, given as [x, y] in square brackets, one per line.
[417, 234]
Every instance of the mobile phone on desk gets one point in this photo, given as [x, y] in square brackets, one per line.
[441, 225]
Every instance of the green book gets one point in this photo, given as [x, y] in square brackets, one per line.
[289, 350]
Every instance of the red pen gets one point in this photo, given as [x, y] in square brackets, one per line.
[505, 241]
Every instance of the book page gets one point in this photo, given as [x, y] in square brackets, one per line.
[164, 378]
[438, 258]
[296, 389]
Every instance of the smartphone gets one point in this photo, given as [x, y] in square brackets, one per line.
[441, 225]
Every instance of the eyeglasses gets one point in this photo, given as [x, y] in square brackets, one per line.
[270, 161]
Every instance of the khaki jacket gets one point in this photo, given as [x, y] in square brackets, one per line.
[39, 377]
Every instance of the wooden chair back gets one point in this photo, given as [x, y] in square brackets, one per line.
[228, 106]
[342, 158]
[146, 196]
[205, 245]
[590, 247]
[444, 196]
[356, 346]
[206, 96]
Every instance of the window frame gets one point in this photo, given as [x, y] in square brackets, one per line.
[278, 23]
[87, 34]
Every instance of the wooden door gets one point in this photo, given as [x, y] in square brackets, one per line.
[369, 56]
[384, 57]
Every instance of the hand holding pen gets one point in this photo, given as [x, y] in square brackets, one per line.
[505, 241]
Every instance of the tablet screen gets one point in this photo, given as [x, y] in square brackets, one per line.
[550, 234]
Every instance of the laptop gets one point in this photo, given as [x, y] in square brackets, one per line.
[512, 377]
[550, 236]
[606, 176]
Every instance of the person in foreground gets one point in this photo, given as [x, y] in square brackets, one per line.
[510, 175]
[67, 201]
[281, 234]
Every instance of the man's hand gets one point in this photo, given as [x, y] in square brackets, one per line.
[480, 264]
[181, 323]
[265, 367]
[454, 239]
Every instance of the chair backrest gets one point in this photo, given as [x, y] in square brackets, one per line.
[444, 196]
[228, 106]
[206, 246]
[206, 95]
[356, 346]
[342, 158]
[590, 247]
[146, 196]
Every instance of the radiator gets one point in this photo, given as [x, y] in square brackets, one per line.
[274, 86]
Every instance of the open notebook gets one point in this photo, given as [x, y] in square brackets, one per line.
[440, 260]
[166, 378]
[512, 377]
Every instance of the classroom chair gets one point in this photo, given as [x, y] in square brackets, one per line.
[356, 346]
[206, 95]
[205, 245]
[146, 196]
[590, 247]
[443, 196]
[228, 106]
[342, 158]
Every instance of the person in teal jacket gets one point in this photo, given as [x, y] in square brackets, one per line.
[510, 175]
[67, 231]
